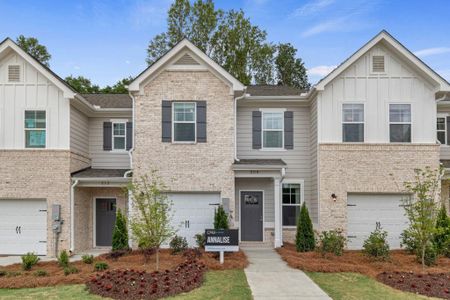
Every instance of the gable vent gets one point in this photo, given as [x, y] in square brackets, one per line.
[378, 63]
[186, 60]
[14, 73]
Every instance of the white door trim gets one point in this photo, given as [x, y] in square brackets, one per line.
[263, 213]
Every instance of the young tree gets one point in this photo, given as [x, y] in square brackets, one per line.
[151, 218]
[31, 46]
[120, 232]
[422, 208]
[304, 238]
[220, 218]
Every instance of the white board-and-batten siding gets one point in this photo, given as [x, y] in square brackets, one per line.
[33, 92]
[398, 84]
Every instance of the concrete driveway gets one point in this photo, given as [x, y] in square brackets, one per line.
[270, 277]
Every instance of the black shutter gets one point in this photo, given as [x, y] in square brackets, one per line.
[107, 136]
[129, 135]
[448, 130]
[166, 121]
[288, 130]
[256, 129]
[201, 121]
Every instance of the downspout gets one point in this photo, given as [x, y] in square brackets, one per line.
[235, 123]
[130, 152]
[72, 215]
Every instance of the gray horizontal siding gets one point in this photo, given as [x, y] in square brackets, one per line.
[299, 160]
[100, 158]
[79, 132]
[314, 200]
[257, 184]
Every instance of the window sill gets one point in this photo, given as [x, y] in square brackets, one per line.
[289, 227]
[184, 143]
[272, 149]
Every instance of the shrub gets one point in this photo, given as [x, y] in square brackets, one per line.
[442, 231]
[3, 273]
[200, 240]
[178, 244]
[70, 270]
[13, 274]
[220, 218]
[120, 232]
[431, 254]
[408, 242]
[88, 259]
[114, 255]
[29, 260]
[101, 266]
[376, 245]
[446, 248]
[63, 259]
[304, 238]
[41, 273]
[332, 242]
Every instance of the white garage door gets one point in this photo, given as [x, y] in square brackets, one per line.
[364, 211]
[193, 213]
[23, 226]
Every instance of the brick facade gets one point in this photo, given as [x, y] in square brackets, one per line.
[187, 167]
[366, 168]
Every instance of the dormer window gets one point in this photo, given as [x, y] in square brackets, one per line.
[14, 73]
[378, 64]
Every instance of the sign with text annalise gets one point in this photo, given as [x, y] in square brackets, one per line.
[222, 240]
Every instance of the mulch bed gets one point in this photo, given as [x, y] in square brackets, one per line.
[132, 284]
[355, 261]
[430, 284]
[133, 260]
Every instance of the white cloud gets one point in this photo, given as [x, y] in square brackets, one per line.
[127, 62]
[312, 7]
[326, 26]
[76, 67]
[432, 51]
[321, 70]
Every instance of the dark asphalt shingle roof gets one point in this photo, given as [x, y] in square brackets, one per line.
[99, 173]
[109, 100]
[261, 162]
[273, 90]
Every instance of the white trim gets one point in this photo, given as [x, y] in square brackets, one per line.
[404, 123]
[184, 122]
[113, 149]
[94, 218]
[302, 196]
[240, 215]
[442, 116]
[272, 111]
[363, 122]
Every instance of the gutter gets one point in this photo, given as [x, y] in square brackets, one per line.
[72, 215]
[130, 152]
[235, 123]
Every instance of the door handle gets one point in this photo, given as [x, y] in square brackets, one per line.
[17, 229]
[20, 229]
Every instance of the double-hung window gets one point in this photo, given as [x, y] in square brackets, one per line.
[441, 130]
[400, 123]
[119, 136]
[35, 128]
[184, 122]
[273, 130]
[292, 199]
[353, 123]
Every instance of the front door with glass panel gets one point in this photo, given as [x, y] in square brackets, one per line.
[105, 221]
[251, 216]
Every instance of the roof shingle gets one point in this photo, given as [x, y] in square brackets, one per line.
[109, 100]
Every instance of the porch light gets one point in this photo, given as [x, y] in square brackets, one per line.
[334, 197]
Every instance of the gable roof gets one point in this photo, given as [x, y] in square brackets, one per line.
[109, 100]
[68, 91]
[180, 46]
[399, 48]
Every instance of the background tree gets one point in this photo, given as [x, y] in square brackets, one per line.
[82, 85]
[231, 40]
[422, 210]
[304, 238]
[220, 218]
[31, 46]
[120, 232]
[150, 222]
[119, 88]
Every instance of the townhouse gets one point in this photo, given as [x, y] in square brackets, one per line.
[345, 148]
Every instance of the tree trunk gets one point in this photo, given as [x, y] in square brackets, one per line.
[423, 257]
[157, 258]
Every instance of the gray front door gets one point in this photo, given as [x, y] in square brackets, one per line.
[105, 221]
[251, 216]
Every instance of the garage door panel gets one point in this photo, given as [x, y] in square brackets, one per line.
[364, 211]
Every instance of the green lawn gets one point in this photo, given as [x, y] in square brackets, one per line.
[356, 286]
[231, 284]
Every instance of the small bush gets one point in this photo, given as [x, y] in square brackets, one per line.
[200, 240]
[29, 260]
[88, 259]
[332, 242]
[443, 231]
[178, 244]
[446, 248]
[114, 255]
[63, 259]
[408, 242]
[431, 254]
[376, 245]
[101, 266]
[120, 233]
[41, 273]
[3, 273]
[220, 218]
[70, 270]
[304, 238]
[13, 274]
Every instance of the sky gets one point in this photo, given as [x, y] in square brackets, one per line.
[106, 41]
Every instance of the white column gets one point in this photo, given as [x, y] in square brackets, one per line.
[278, 224]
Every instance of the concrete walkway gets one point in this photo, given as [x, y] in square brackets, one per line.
[15, 259]
[270, 277]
